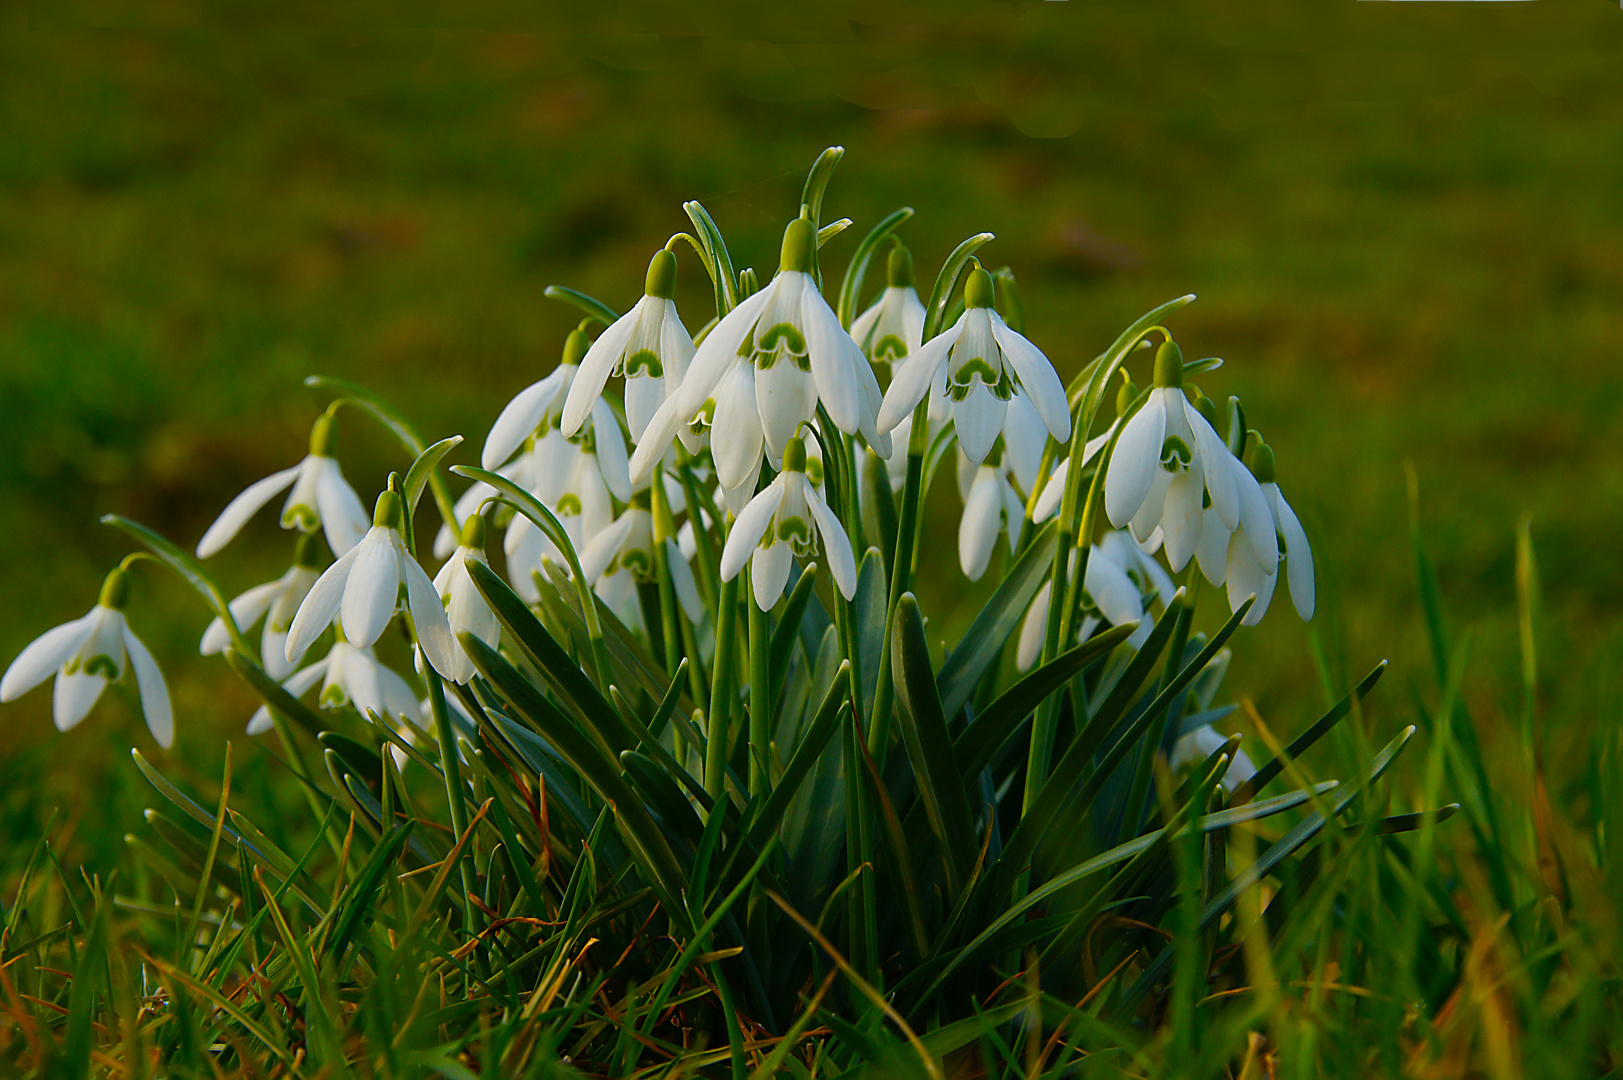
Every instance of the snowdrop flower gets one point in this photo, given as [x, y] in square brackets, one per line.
[362, 589]
[87, 654]
[774, 528]
[622, 556]
[275, 602]
[762, 371]
[1118, 587]
[350, 675]
[981, 364]
[893, 328]
[466, 611]
[321, 498]
[994, 491]
[648, 345]
[1269, 533]
[537, 407]
[1167, 463]
[1194, 747]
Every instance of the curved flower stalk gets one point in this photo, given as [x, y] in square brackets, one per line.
[1168, 464]
[276, 602]
[321, 499]
[648, 346]
[1247, 563]
[980, 364]
[777, 526]
[350, 675]
[87, 654]
[994, 492]
[466, 611]
[762, 371]
[1119, 586]
[362, 590]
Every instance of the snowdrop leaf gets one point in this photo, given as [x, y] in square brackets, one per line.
[998, 621]
[591, 305]
[421, 469]
[1306, 739]
[822, 171]
[717, 259]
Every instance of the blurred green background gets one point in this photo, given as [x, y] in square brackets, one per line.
[1403, 222]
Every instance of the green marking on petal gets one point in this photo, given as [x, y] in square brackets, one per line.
[569, 503]
[643, 362]
[639, 562]
[1175, 454]
[796, 533]
[302, 517]
[889, 348]
[332, 697]
[101, 665]
[783, 339]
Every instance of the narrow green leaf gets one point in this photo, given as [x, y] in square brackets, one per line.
[822, 171]
[421, 469]
[274, 694]
[360, 896]
[1306, 739]
[998, 620]
[180, 562]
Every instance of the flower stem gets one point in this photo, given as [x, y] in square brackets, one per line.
[450, 765]
[721, 692]
[901, 577]
[760, 723]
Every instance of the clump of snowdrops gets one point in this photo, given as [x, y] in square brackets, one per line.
[695, 761]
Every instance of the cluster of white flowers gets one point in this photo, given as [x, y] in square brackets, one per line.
[635, 482]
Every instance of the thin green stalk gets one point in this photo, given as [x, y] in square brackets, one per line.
[450, 765]
[760, 720]
[670, 635]
[721, 692]
[901, 578]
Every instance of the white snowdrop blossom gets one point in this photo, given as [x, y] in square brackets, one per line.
[321, 499]
[762, 371]
[1194, 747]
[1120, 584]
[893, 328]
[648, 346]
[1168, 463]
[994, 492]
[980, 364]
[466, 611]
[536, 408]
[622, 555]
[276, 602]
[363, 591]
[1269, 533]
[87, 654]
[777, 525]
[349, 675]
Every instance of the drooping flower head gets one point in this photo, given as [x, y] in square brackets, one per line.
[1168, 465]
[893, 328]
[350, 675]
[276, 602]
[762, 371]
[466, 611]
[648, 346]
[321, 499]
[980, 363]
[1268, 536]
[994, 492]
[364, 588]
[86, 655]
[778, 525]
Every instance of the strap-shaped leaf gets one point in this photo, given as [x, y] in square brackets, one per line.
[817, 178]
[979, 742]
[361, 895]
[642, 834]
[183, 564]
[591, 305]
[275, 695]
[719, 262]
[423, 468]
[1306, 739]
[787, 630]
[983, 642]
[929, 744]
[663, 796]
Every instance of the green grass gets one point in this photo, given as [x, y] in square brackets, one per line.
[1404, 257]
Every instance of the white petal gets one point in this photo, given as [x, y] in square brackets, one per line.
[1298, 556]
[372, 592]
[74, 697]
[246, 610]
[748, 528]
[917, 376]
[1099, 442]
[863, 325]
[155, 705]
[428, 617]
[655, 439]
[319, 607]
[1037, 378]
[1256, 516]
[602, 548]
[675, 347]
[735, 437]
[769, 573]
[240, 509]
[1135, 461]
[519, 419]
[1146, 524]
[1023, 441]
[1053, 492]
[835, 361]
[343, 518]
[786, 397]
[44, 655]
[718, 352]
[1212, 551]
[1033, 628]
[979, 418]
[842, 564]
[980, 524]
[1112, 590]
[1218, 464]
[595, 367]
[687, 590]
[611, 450]
[1247, 577]
[1181, 520]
